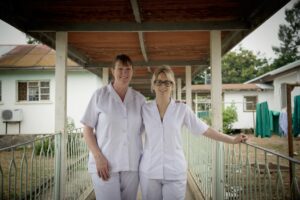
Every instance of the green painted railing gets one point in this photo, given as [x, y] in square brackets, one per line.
[27, 170]
[78, 184]
[250, 172]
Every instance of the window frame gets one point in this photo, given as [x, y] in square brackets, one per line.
[28, 89]
[245, 102]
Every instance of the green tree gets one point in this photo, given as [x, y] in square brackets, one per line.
[242, 65]
[31, 40]
[289, 36]
[239, 66]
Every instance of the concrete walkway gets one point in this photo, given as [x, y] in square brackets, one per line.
[188, 196]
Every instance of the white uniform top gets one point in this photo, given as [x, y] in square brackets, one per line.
[163, 156]
[118, 127]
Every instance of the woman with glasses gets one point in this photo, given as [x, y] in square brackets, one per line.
[163, 170]
[114, 112]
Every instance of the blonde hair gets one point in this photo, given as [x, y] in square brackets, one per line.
[163, 69]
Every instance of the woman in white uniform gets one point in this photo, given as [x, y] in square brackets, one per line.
[163, 170]
[112, 131]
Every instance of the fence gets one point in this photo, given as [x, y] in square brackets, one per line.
[250, 172]
[27, 170]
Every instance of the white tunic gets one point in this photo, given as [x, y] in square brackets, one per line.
[118, 127]
[163, 156]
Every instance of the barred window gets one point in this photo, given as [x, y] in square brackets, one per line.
[250, 103]
[33, 90]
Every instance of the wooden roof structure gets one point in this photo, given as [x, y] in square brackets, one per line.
[152, 33]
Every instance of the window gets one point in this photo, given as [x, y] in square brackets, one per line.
[33, 90]
[250, 103]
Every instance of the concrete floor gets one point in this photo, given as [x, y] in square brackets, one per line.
[188, 196]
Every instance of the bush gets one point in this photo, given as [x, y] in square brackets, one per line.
[229, 117]
[46, 146]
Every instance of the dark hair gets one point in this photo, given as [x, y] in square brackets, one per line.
[124, 59]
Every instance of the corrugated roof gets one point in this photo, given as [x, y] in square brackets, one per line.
[28, 56]
[272, 74]
[228, 87]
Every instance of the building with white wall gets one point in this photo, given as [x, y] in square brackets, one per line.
[27, 82]
[288, 74]
[243, 96]
[267, 87]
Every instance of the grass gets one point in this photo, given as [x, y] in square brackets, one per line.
[39, 169]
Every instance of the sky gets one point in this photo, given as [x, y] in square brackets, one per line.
[260, 40]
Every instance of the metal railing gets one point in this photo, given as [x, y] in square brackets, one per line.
[78, 184]
[250, 172]
[27, 170]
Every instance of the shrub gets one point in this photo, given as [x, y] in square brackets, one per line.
[46, 147]
[229, 117]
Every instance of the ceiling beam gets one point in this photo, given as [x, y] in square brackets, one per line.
[228, 25]
[198, 69]
[136, 12]
[172, 63]
[142, 45]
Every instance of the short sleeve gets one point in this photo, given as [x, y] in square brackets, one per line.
[90, 117]
[194, 124]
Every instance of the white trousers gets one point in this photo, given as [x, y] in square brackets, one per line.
[120, 186]
[158, 189]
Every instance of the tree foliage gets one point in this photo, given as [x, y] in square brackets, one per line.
[289, 36]
[31, 40]
[240, 66]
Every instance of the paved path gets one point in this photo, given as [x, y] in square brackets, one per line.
[188, 196]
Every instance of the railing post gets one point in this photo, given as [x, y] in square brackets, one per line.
[57, 174]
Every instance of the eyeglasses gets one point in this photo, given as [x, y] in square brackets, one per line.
[167, 83]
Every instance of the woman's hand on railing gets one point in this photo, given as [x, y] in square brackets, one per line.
[240, 138]
[102, 167]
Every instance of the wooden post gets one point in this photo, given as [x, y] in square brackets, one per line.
[289, 89]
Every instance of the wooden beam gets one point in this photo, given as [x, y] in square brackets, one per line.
[231, 39]
[228, 25]
[172, 63]
[142, 45]
[136, 12]
[198, 69]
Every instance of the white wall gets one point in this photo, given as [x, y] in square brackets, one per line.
[246, 119]
[81, 86]
[291, 78]
[39, 117]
